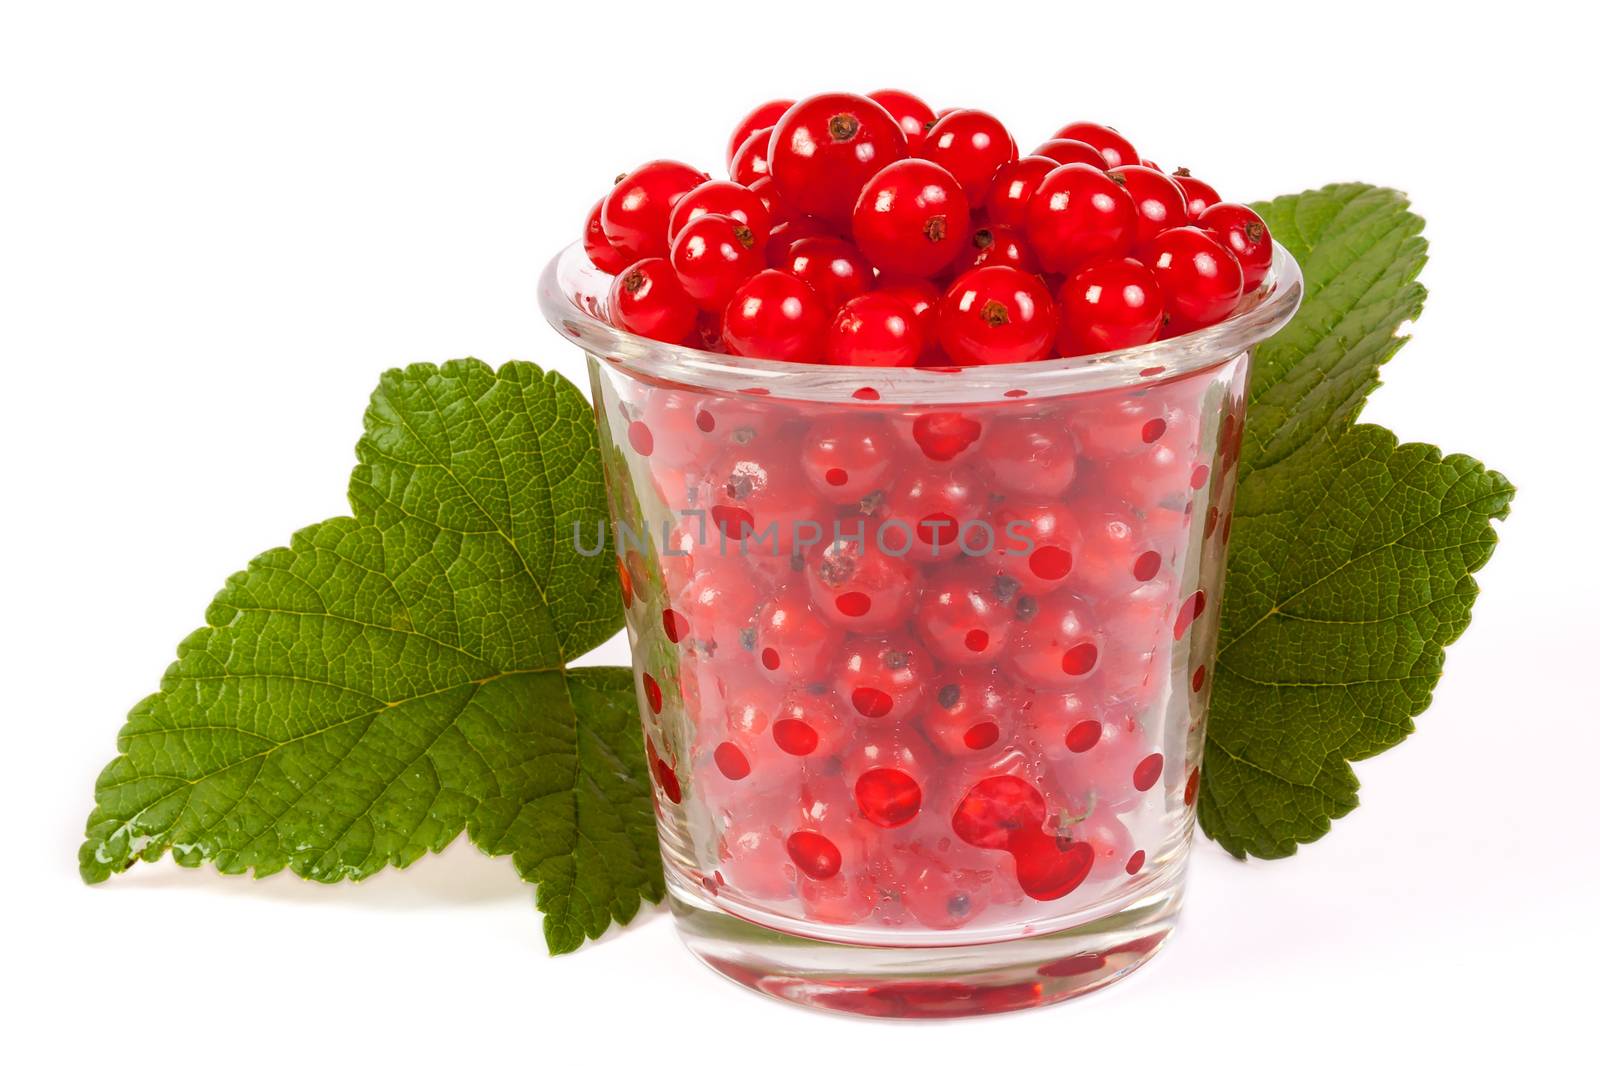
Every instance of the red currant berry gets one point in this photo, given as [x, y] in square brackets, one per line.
[1243, 233]
[913, 116]
[754, 490]
[748, 712]
[1157, 198]
[1136, 656]
[1111, 144]
[923, 300]
[826, 805]
[768, 195]
[1031, 455]
[762, 117]
[750, 163]
[1109, 304]
[825, 148]
[743, 742]
[1107, 427]
[911, 218]
[1064, 150]
[720, 198]
[1102, 774]
[844, 900]
[850, 894]
[875, 329]
[938, 894]
[684, 425]
[1013, 186]
[601, 252]
[775, 315]
[847, 457]
[1151, 479]
[1066, 715]
[923, 514]
[648, 300]
[714, 255]
[634, 214]
[856, 585]
[669, 483]
[997, 246]
[833, 268]
[1039, 543]
[996, 314]
[810, 722]
[969, 711]
[971, 145]
[963, 617]
[707, 333]
[1117, 553]
[883, 679]
[719, 605]
[1198, 194]
[754, 858]
[897, 746]
[1202, 281]
[793, 641]
[785, 234]
[1109, 839]
[1079, 214]
[1055, 643]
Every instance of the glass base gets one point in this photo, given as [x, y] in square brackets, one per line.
[946, 981]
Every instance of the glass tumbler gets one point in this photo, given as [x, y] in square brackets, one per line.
[922, 655]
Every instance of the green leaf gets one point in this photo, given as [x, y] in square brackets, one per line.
[357, 699]
[1361, 250]
[1351, 557]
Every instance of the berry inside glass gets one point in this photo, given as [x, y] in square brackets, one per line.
[921, 551]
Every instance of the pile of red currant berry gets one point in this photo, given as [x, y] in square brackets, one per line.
[872, 231]
[938, 663]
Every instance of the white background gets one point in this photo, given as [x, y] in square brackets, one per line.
[220, 225]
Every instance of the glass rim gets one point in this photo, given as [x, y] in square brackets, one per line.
[571, 289]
